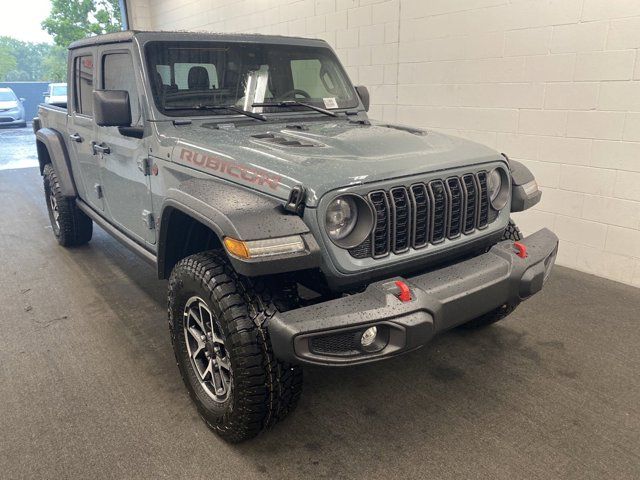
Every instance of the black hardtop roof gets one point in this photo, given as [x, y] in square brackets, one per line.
[145, 36]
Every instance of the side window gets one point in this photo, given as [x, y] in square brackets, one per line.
[83, 80]
[117, 73]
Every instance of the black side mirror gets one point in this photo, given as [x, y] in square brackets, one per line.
[363, 93]
[111, 108]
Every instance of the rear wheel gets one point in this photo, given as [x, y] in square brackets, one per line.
[512, 232]
[217, 321]
[70, 225]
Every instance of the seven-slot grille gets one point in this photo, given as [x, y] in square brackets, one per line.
[424, 213]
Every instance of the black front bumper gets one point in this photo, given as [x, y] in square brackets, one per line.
[329, 333]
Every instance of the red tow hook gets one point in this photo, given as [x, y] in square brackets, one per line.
[521, 249]
[405, 293]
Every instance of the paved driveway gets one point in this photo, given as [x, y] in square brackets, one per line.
[17, 148]
[89, 387]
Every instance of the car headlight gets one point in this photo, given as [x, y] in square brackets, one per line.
[498, 186]
[348, 220]
[341, 218]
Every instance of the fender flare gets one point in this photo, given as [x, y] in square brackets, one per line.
[51, 148]
[243, 214]
[524, 189]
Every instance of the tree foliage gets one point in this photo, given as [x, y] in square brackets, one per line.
[8, 61]
[71, 20]
[25, 61]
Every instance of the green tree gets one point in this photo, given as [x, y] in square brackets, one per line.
[55, 65]
[8, 62]
[71, 20]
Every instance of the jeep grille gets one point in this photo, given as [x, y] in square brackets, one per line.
[425, 213]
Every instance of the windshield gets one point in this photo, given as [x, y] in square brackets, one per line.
[188, 77]
[7, 96]
[59, 91]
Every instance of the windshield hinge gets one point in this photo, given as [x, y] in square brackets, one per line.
[297, 196]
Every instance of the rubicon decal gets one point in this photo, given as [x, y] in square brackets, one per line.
[231, 169]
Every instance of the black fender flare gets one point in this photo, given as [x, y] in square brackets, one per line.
[524, 191]
[51, 148]
[229, 210]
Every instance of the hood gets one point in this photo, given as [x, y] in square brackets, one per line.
[8, 104]
[320, 155]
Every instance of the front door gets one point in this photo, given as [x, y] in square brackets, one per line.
[125, 179]
[81, 128]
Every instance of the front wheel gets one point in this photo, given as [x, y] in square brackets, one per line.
[217, 321]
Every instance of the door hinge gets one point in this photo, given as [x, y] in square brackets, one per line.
[98, 189]
[147, 218]
[144, 165]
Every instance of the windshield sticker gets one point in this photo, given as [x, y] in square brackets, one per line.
[231, 169]
[330, 102]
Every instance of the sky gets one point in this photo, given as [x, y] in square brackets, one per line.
[21, 19]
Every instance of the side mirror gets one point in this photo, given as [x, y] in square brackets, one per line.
[22, 99]
[363, 93]
[111, 108]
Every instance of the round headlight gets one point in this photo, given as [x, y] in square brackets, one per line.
[498, 186]
[341, 218]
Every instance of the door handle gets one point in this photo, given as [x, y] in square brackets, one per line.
[100, 148]
[75, 137]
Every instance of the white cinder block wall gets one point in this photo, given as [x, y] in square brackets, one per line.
[553, 83]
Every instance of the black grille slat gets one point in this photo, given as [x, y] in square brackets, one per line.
[415, 216]
[420, 204]
[400, 220]
[456, 207]
[483, 210]
[381, 231]
[438, 195]
[471, 205]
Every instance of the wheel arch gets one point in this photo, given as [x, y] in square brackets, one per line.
[199, 213]
[52, 149]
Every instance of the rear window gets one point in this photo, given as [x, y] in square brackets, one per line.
[59, 91]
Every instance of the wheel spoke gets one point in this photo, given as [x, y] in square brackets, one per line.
[207, 350]
[223, 362]
[197, 319]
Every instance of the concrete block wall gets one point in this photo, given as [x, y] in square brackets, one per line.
[553, 83]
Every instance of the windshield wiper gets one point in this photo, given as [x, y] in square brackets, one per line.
[295, 103]
[231, 108]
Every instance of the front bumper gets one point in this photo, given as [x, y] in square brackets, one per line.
[328, 333]
[10, 119]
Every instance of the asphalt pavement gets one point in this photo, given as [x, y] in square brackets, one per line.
[89, 387]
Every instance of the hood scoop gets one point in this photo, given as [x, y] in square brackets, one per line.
[285, 140]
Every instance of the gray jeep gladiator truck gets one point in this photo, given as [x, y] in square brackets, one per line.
[292, 229]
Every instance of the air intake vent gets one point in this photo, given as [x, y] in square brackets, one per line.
[285, 141]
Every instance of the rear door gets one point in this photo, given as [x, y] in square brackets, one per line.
[125, 180]
[81, 127]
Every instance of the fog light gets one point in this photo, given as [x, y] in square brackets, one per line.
[369, 336]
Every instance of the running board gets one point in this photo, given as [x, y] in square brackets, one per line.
[131, 244]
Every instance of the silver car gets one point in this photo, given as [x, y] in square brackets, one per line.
[11, 109]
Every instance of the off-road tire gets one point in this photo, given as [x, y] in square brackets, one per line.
[72, 227]
[512, 232]
[263, 390]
